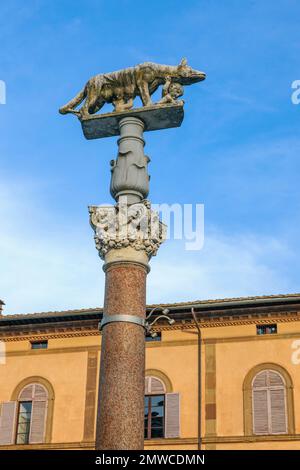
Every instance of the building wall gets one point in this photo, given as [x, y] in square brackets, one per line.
[71, 365]
[237, 351]
[64, 365]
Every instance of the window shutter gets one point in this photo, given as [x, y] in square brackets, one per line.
[154, 386]
[38, 422]
[147, 385]
[278, 412]
[275, 379]
[40, 393]
[269, 403]
[261, 379]
[27, 393]
[172, 424]
[8, 422]
[157, 386]
[260, 412]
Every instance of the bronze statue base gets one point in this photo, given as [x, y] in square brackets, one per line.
[158, 116]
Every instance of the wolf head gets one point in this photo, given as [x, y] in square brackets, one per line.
[187, 75]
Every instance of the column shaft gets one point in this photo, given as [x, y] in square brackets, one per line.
[120, 421]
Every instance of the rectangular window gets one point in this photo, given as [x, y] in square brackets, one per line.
[266, 329]
[154, 416]
[39, 344]
[156, 338]
[24, 419]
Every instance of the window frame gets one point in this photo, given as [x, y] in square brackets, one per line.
[247, 399]
[36, 379]
[149, 426]
[19, 404]
[35, 345]
[264, 327]
[268, 389]
[150, 339]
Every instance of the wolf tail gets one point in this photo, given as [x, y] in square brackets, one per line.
[69, 107]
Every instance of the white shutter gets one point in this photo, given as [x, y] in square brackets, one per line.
[40, 393]
[261, 379]
[275, 379]
[8, 422]
[260, 412]
[172, 418]
[157, 387]
[154, 386]
[147, 385]
[278, 411]
[38, 422]
[269, 403]
[26, 393]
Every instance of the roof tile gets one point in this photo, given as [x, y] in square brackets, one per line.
[170, 305]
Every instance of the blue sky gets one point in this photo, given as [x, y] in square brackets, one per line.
[237, 151]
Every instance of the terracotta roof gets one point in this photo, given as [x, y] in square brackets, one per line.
[199, 303]
[63, 313]
[230, 299]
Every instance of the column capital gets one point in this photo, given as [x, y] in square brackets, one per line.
[125, 233]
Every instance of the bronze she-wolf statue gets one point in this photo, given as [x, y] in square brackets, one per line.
[120, 88]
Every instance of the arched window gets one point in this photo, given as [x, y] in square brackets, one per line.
[27, 418]
[32, 414]
[268, 401]
[161, 409]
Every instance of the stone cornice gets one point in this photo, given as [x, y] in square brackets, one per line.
[75, 332]
[48, 335]
[249, 439]
[90, 445]
[220, 322]
[55, 331]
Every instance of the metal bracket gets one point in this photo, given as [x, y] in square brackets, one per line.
[121, 318]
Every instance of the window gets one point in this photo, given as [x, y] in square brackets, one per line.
[269, 403]
[39, 344]
[27, 418]
[154, 416]
[24, 419]
[266, 329]
[156, 338]
[32, 410]
[161, 410]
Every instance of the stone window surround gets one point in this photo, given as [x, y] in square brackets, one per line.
[247, 397]
[50, 390]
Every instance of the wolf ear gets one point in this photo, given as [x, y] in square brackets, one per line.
[183, 62]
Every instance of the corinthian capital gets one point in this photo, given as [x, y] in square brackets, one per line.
[122, 226]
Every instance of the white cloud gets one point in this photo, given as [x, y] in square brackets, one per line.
[45, 264]
[50, 265]
[233, 266]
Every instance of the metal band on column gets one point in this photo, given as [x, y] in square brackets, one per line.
[121, 318]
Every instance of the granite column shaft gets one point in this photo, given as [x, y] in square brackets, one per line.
[120, 422]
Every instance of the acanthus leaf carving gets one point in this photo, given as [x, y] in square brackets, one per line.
[120, 226]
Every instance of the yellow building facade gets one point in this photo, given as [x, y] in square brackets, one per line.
[231, 383]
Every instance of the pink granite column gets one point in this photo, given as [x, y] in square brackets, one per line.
[120, 420]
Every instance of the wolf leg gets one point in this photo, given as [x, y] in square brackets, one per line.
[99, 104]
[90, 103]
[121, 105]
[128, 104]
[144, 93]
